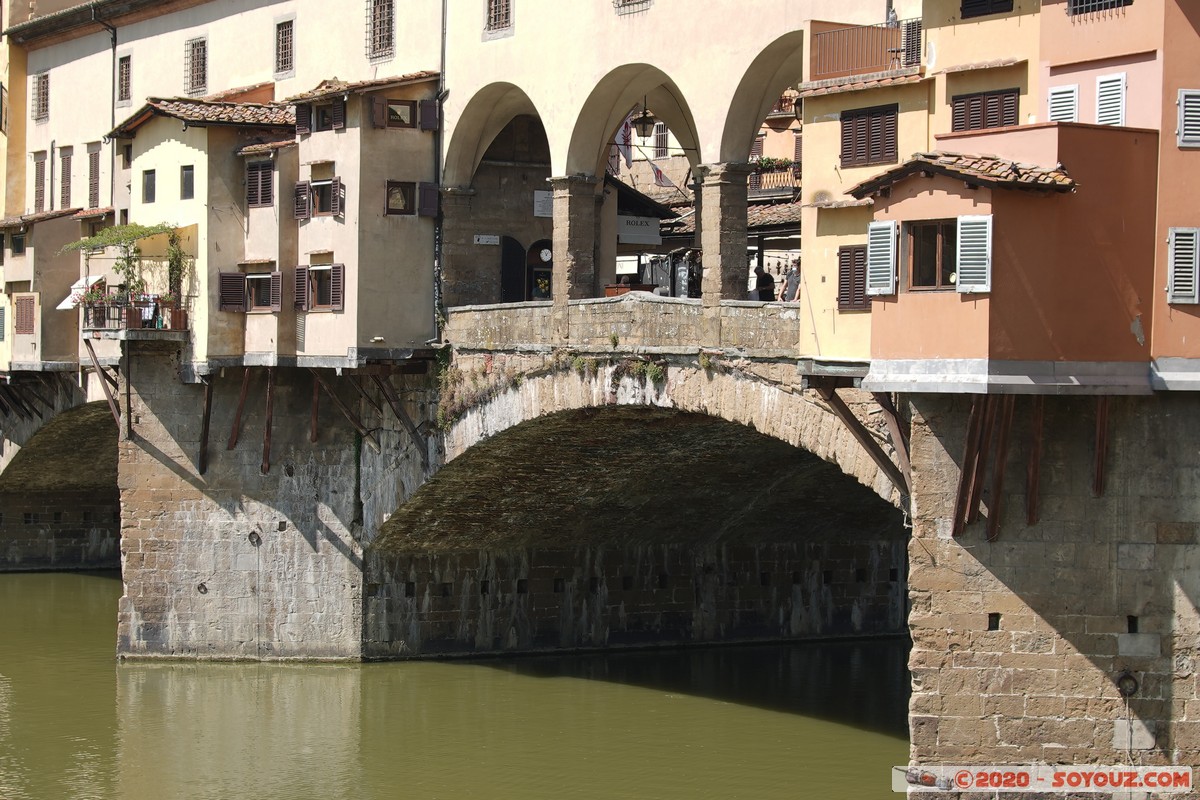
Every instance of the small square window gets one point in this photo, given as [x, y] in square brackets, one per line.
[321, 286]
[18, 244]
[322, 197]
[285, 60]
[400, 198]
[259, 289]
[148, 186]
[124, 79]
[187, 182]
[401, 113]
[323, 117]
[933, 248]
[195, 66]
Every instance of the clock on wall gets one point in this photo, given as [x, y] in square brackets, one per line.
[546, 254]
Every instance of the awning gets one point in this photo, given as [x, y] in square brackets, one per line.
[78, 287]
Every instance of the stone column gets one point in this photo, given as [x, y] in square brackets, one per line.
[722, 231]
[574, 276]
[462, 282]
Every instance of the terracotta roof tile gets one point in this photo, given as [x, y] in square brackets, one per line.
[30, 219]
[761, 215]
[857, 84]
[334, 87]
[831, 204]
[980, 170]
[94, 213]
[255, 148]
[206, 112]
[974, 65]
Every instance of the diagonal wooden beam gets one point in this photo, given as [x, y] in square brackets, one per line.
[266, 459]
[29, 390]
[1033, 467]
[112, 404]
[365, 395]
[389, 394]
[860, 432]
[368, 437]
[316, 408]
[107, 377]
[1002, 435]
[8, 410]
[16, 402]
[1101, 445]
[897, 434]
[202, 461]
[237, 415]
[966, 472]
[981, 460]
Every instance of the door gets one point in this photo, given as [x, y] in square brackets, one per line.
[512, 270]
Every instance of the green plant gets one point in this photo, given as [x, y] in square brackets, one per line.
[128, 265]
[706, 362]
[579, 364]
[614, 340]
[655, 372]
[91, 296]
[769, 164]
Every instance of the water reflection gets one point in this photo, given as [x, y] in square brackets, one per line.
[753, 722]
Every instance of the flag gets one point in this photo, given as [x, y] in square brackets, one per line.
[625, 141]
[660, 178]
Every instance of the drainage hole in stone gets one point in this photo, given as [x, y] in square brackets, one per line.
[483, 587]
[254, 538]
[626, 583]
[522, 586]
[560, 585]
[202, 588]
[993, 621]
[764, 579]
[289, 470]
[410, 589]
[860, 575]
[282, 525]
[1132, 622]
[447, 589]
[827, 577]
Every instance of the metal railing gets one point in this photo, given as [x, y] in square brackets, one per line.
[865, 49]
[786, 178]
[140, 315]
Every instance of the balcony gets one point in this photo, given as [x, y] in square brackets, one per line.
[785, 106]
[783, 178]
[866, 49]
[112, 316]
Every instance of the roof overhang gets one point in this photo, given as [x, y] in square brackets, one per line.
[89, 18]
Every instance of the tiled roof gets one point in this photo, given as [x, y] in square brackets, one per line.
[857, 84]
[993, 64]
[335, 87]
[205, 112]
[29, 219]
[760, 215]
[94, 213]
[255, 148]
[978, 170]
[866, 201]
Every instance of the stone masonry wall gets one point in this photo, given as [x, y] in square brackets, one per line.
[1017, 643]
[63, 530]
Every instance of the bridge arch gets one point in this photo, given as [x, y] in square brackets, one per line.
[779, 66]
[486, 114]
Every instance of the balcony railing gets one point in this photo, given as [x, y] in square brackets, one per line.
[139, 315]
[865, 49]
[774, 180]
[785, 106]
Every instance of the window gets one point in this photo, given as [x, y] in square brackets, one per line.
[797, 154]
[381, 41]
[1110, 99]
[94, 175]
[260, 184]
[979, 8]
[126, 156]
[320, 287]
[1187, 129]
[387, 113]
[39, 182]
[148, 186]
[401, 198]
[1183, 258]
[318, 198]
[1088, 6]
[231, 291]
[3, 108]
[852, 279]
[187, 182]
[869, 136]
[285, 54]
[974, 112]
[499, 14]
[124, 76]
[18, 244]
[40, 103]
[1063, 104]
[322, 197]
[24, 317]
[64, 156]
[195, 66]
[3, 324]
[265, 291]
[932, 254]
[660, 140]
[323, 117]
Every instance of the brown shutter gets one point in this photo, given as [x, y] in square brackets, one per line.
[301, 301]
[94, 179]
[303, 199]
[912, 43]
[858, 287]
[875, 144]
[958, 113]
[378, 111]
[888, 126]
[847, 139]
[304, 118]
[845, 277]
[1008, 107]
[427, 200]
[428, 115]
[339, 114]
[252, 194]
[231, 291]
[24, 316]
[798, 154]
[39, 185]
[337, 286]
[335, 197]
[277, 291]
[65, 182]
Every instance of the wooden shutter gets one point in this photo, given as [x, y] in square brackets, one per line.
[1110, 99]
[858, 275]
[337, 287]
[301, 300]
[958, 113]
[277, 291]
[94, 179]
[881, 258]
[252, 193]
[427, 115]
[231, 291]
[378, 111]
[912, 43]
[1063, 104]
[845, 277]
[1183, 264]
[339, 114]
[303, 200]
[25, 313]
[39, 185]
[3, 320]
[974, 258]
[335, 196]
[427, 199]
[890, 145]
[65, 180]
[847, 139]
[304, 118]
[1187, 133]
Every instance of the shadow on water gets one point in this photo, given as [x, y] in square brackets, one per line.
[861, 683]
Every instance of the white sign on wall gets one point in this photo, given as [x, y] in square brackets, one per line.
[543, 204]
[638, 230]
[487, 238]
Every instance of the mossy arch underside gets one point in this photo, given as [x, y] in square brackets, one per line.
[76, 450]
[564, 457]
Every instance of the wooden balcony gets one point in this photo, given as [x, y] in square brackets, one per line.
[782, 180]
[116, 316]
[866, 49]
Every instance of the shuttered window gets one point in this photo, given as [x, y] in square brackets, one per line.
[1063, 104]
[979, 8]
[754, 180]
[852, 279]
[881, 258]
[301, 285]
[326, 287]
[65, 157]
[1110, 99]
[302, 200]
[149, 188]
[1183, 260]
[660, 140]
[285, 52]
[195, 66]
[430, 118]
[1187, 129]
[381, 29]
[39, 183]
[1091, 6]
[303, 118]
[260, 183]
[797, 153]
[25, 309]
[265, 291]
[93, 178]
[3, 324]
[932, 254]
[187, 182]
[974, 253]
[124, 79]
[231, 290]
[975, 112]
[39, 104]
[428, 198]
[869, 136]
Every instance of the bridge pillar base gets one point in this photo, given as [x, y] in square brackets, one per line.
[723, 232]
[574, 275]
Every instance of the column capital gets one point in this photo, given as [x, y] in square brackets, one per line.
[569, 181]
[724, 172]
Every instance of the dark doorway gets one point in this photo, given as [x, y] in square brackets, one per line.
[541, 268]
[512, 270]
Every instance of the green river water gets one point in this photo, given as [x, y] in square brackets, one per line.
[819, 720]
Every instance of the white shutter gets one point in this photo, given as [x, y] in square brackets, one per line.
[1063, 103]
[1182, 263]
[881, 258]
[974, 263]
[1187, 132]
[1110, 99]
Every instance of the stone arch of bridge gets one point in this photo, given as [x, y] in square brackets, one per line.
[779, 66]
[487, 113]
